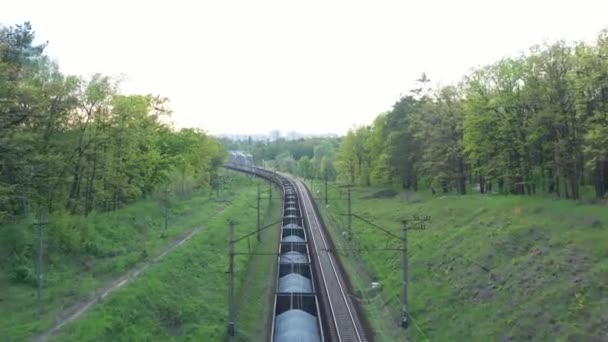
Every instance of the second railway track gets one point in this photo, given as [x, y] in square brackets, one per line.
[345, 322]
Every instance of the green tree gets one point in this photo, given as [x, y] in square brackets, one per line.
[305, 167]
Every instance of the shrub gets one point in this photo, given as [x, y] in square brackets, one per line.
[22, 270]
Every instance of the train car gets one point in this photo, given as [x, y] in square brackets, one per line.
[296, 311]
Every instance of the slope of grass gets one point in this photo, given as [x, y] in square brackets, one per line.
[258, 281]
[105, 246]
[184, 296]
[546, 261]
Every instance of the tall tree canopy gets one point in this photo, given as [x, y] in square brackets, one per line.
[534, 123]
[77, 144]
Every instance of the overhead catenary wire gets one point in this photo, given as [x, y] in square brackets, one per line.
[350, 214]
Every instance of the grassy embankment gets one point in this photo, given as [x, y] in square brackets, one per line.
[548, 263]
[181, 296]
[185, 296]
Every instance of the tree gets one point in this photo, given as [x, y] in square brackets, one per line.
[380, 172]
[286, 162]
[305, 167]
[537, 122]
[327, 170]
[402, 146]
[72, 143]
[440, 127]
[346, 158]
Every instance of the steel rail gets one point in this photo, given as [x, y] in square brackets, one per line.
[338, 299]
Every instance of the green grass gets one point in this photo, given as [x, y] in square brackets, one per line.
[184, 296]
[256, 294]
[116, 242]
[548, 262]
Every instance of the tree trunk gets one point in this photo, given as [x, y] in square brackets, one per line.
[462, 181]
[601, 178]
[552, 179]
[89, 191]
[574, 186]
[517, 188]
[574, 177]
[75, 189]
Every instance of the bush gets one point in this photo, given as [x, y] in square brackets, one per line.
[22, 270]
[91, 247]
[388, 193]
[59, 232]
[67, 232]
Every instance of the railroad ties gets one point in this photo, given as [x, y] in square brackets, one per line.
[338, 305]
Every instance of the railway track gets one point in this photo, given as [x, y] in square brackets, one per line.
[329, 300]
[345, 322]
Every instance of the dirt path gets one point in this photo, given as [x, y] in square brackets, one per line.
[75, 311]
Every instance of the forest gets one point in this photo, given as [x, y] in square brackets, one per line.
[75, 145]
[537, 123]
[532, 124]
[309, 158]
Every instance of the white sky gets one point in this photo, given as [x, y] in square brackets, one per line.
[310, 66]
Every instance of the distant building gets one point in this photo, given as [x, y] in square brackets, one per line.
[274, 135]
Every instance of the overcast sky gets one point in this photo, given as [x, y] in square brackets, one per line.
[309, 66]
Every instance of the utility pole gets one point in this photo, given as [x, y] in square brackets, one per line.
[219, 186]
[258, 226]
[231, 255]
[417, 224]
[350, 216]
[269, 191]
[166, 206]
[41, 223]
[326, 189]
[231, 322]
[405, 314]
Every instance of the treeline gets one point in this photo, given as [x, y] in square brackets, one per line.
[535, 123]
[309, 158]
[79, 145]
